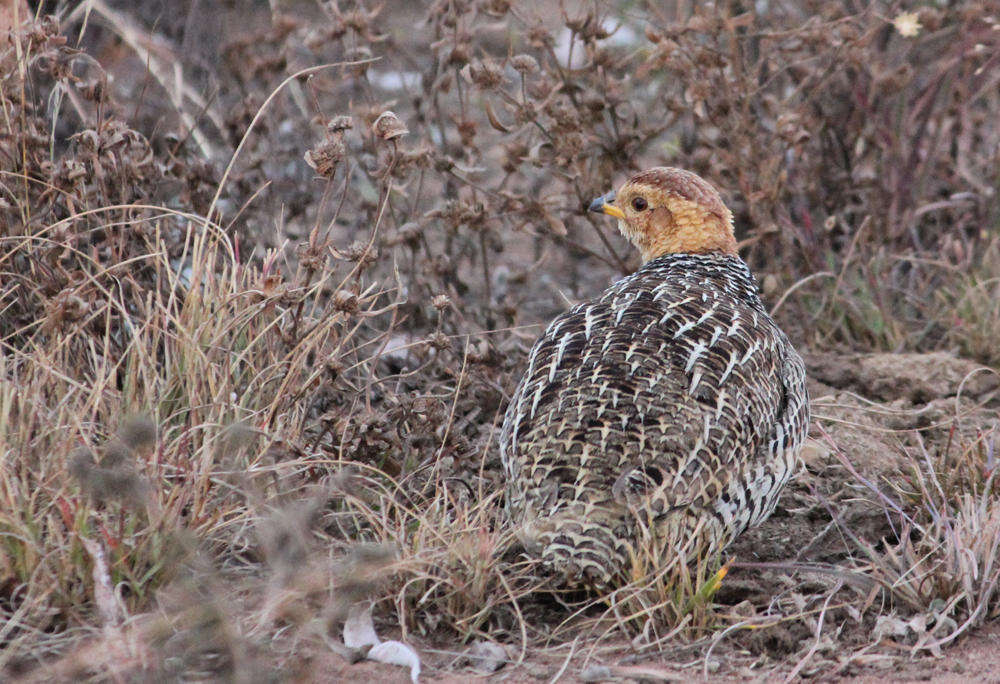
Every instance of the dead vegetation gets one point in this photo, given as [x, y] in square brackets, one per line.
[264, 296]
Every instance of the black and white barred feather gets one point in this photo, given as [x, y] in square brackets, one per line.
[664, 416]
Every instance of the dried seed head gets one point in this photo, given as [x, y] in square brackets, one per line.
[325, 157]
[81, 462]
[116, 454]
[467, 131]
[313, 254]
[137, 432]
[358, 251]
[441, 302]
[439, 341]
[118, 484]
[458, 55]
[540, 37]
[496, 8]
[525, 64]
[113, 479]
[388, 126]
[340, 123]
[66, 306]
[346, 301]
[486, 74]
[94, 89]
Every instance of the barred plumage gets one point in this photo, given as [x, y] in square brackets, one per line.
[664, 415]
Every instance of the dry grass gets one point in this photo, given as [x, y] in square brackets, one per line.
[242, 392]
[940, 567]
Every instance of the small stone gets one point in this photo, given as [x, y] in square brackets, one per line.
[596, 673]
[487, 656]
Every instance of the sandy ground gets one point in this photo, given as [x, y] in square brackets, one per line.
[974, 659]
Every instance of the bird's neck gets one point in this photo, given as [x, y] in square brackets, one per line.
[698, 234]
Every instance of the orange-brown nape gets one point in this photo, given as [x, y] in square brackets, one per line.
[666, 210]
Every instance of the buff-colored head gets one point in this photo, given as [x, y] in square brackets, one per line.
[666, 210]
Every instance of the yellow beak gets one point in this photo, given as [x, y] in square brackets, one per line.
[603, 205]
[612, 210]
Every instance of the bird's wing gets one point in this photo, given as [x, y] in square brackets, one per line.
[665, 394]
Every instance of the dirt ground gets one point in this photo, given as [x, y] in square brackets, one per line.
[973, 658]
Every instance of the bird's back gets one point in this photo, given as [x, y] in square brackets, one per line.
[673, 401]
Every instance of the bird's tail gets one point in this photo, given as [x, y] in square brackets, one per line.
[603, 549]
[578, 545]
[587, 552]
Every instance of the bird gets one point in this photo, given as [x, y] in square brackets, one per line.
[658, 421]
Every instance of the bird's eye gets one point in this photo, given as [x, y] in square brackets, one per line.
[639, 204]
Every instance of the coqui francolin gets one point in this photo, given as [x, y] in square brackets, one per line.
[662, 418]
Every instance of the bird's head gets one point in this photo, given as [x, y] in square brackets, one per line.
[666, 210]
